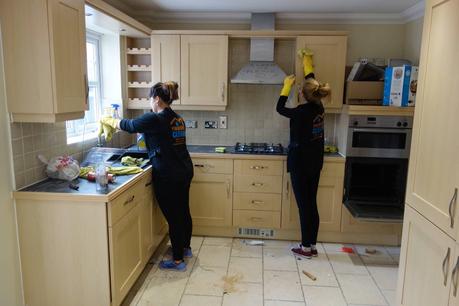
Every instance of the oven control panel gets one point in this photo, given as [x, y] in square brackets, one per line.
[400, 122]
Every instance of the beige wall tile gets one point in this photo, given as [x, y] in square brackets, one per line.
[17, 147]
[16, 130]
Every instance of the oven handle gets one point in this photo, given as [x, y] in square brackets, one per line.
[394, 131]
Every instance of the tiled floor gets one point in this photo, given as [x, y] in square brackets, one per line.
[226, 272]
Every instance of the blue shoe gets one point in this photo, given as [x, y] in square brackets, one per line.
[187, 253]
[171, 265]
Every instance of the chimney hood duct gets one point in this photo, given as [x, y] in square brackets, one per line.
[261, 69]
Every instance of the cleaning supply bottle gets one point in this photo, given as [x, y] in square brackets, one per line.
[115, 111]
[141, 145]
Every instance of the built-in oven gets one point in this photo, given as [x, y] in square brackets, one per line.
[376, 170]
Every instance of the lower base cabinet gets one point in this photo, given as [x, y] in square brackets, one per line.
[329, 201]
[429, 268]
[126, 262]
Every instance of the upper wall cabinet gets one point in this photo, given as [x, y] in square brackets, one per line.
[45, 59]
[200, 65]
[329, 65]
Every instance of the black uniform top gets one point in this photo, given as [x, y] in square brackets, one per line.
[165, 138]
[306, 146]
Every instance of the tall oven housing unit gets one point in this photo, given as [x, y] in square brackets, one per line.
[376, 170]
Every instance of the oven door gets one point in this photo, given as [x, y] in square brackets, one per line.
[374, 188]
[383, 143]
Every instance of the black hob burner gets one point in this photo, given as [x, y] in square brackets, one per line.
[259, 148]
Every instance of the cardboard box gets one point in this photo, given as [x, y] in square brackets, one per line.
[363, 92]
[413, 86]
[397, 86]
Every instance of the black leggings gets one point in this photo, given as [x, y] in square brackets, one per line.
[305, 187]
[173, 199]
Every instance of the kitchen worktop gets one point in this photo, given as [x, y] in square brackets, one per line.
[87, 190]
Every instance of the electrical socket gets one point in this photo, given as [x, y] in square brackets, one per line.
[223, 122]
[210, 124]
[191, 124]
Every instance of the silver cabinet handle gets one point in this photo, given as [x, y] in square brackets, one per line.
[86, 84]
[228, 189]
[256, 219]
[445, 266]
[199, 166]
[452, 207]
[130, 200]
[223, 91]
[258, 167]
[257, 184]
[256, 202]
[455, 278]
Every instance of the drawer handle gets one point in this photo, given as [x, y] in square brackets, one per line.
[256, 202]
[452, 207]
[455, 277]
[228, 189]
[256, 219]
[148, 184]
[445, 267]
[288, 190]
[258, 167]
[258, 184]
[199, 165]
[130, 200]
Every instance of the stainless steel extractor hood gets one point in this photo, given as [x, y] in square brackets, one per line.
[261, 69]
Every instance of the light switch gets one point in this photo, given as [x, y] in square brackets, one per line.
[223, 122]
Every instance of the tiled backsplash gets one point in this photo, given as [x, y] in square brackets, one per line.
[252, 117]
[32, 139]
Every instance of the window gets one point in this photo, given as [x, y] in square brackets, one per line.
[87, 128]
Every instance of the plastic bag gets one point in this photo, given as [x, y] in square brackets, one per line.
[61, 167]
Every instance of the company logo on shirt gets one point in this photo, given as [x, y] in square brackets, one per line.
[318, 127]
[178, 131]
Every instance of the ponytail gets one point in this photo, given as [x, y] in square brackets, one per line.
[314, 91]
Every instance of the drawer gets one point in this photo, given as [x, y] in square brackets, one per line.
[256, 218]
[122, 204]
[258, 183]
[216, 166]
[257, 201]
[258, 167]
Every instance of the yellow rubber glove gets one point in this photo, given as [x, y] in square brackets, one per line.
[109, 126]
[306, 55]
[288, 83]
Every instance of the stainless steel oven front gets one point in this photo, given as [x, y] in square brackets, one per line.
[379, 136]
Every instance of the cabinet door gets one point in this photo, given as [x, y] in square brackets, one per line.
[204, 70]
[432, 178]
[329, 204]
[165, 52]
[211, 199]
[68, 40]
[329, 64]
[147, 224]
[125, 253]
[426, 263]
[160, 226]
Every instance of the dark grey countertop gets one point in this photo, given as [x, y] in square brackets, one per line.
[89, 188]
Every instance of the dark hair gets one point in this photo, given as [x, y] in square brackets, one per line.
[167, 91]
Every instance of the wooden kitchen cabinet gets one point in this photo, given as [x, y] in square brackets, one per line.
[204, 70]
[433, 179]
[147, 214]
[165, 51]
[211, 199]
[329, 200]
[329, 65]
[44, 47]
[427, 259]
[199, 63]
[125, 241]
[454, 293]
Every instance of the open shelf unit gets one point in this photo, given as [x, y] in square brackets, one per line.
[139, 72]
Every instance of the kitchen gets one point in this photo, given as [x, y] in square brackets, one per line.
[86, 248]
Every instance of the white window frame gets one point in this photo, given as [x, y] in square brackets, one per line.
[95, 38]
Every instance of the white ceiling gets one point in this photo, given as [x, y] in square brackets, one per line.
[279, 6]
[173, 10]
